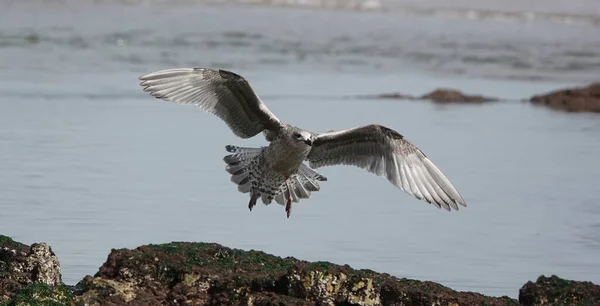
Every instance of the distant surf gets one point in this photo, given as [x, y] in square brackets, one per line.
[581, 12]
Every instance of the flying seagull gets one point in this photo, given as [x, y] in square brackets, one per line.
[277, 171]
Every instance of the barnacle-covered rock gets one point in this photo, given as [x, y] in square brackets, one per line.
[210, 274]
[30, 275]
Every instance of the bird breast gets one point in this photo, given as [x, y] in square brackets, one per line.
[284, 158]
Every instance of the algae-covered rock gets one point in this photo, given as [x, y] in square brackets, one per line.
[30, 275]
[182, 273]
[557, 291]
[210, 274]
[42, 295]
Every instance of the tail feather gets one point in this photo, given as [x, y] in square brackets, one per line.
[309, 178]
[265, 198]
[300, 189]
[302, 184]
[246, 187]
[235, 169]
[238, 165]
[310, 173]
[241, 164]
[243, 151]
[280, 198]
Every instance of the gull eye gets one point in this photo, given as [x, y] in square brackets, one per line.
[297, 135]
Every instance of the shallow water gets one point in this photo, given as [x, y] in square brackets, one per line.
[89, 162]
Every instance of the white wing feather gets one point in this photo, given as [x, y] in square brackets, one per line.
[220, 92]
[385, 152]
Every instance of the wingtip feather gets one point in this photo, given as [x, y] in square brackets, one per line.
[443, 182]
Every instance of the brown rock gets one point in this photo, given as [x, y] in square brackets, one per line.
[557, 291]
[22, 267]
[439, 96]
[454, 96]
[582, 99]
[209, 274]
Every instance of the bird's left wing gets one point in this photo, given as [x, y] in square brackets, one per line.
[385, 152]
[220, 92]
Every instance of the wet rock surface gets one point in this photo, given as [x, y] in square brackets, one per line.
[580, 99]
[557, 291]
[210, 274]
[440, 95]
[455, 96]
[23, 266]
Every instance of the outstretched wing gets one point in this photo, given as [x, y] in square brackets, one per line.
[220, 92]
[385, 152]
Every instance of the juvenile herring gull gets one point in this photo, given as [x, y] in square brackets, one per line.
[277, 172]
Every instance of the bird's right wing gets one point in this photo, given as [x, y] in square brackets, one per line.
[220, 92]
[385, 152]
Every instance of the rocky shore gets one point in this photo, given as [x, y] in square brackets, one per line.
[579, 99]
[182, 273]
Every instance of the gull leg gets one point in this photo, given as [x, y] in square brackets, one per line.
[288, 205]
[252, 202]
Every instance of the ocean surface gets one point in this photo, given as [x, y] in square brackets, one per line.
[88, 162]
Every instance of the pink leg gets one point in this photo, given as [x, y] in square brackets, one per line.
[288, 205]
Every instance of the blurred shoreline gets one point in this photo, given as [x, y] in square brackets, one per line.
[265, 34]
[579, 12]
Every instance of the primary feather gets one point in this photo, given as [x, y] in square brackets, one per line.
[220, 92]
[385, 152]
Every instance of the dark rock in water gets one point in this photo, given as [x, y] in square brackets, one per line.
[439, 96]
[557, 291]
[454, 96]
[395, 95]
[582, 99]
[210, 274]
[30, 275]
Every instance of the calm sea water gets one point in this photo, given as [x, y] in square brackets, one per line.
[88, 162]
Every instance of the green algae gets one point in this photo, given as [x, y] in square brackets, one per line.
[321, 265]
[7, 241]
[206, 254]
[265, 262]
[42, 295]
[508, 301]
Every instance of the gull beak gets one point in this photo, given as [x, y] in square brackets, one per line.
[308, 142]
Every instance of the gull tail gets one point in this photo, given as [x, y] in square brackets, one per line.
[243, 167]
[301, 184]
